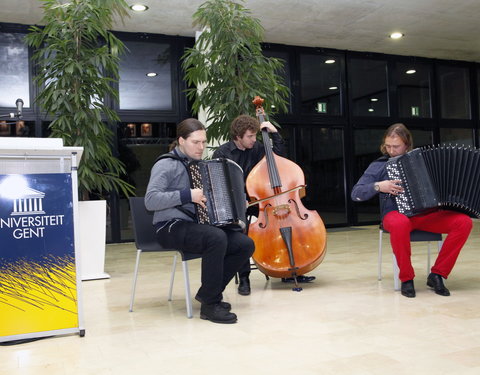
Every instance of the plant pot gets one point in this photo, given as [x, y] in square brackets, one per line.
[92, 222]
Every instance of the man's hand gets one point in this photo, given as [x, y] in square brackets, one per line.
[198, 197]
[269, 126]
[391, 186]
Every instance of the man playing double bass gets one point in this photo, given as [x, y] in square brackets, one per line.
[247, 152]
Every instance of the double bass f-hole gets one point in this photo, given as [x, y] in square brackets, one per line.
[305, 216]
[264, 225]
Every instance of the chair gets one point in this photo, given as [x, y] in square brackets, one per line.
[415, 236]
[145, 240]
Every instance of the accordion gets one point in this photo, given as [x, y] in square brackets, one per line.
[222, 183]
[444, 176]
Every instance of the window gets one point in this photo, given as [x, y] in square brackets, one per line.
[14, 76]
[413, 89]
[320, 155]
[454, 86]
[461, 137]
[478, 89]
[145, 77]
[320, 84]
[285, 73]
[368, 87]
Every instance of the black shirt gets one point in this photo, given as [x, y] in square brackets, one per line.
[249, 157]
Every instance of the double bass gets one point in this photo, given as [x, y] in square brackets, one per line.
[289, 239]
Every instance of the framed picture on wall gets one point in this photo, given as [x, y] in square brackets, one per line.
[146, 130]
[131, 130]
[20, 129]
[4, 128]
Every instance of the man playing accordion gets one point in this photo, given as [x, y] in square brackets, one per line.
[169, 194]
[397, 141]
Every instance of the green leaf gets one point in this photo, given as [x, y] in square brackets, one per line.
[227, 61]
[77, 56]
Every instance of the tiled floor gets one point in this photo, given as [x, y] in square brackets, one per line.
[346, 322]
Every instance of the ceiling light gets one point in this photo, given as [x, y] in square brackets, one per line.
[329, 61]
[138, 7]
[333, 88]
[152, 74]
[396, 35]
[411, 71]
[370, 110]
[374, 99]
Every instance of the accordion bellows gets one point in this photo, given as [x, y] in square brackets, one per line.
[438, 176]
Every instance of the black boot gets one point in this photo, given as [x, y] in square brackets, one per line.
[244, 286]
[223, 305]
[435, 281]
[408, 290]
[300, 279]
[216, 314]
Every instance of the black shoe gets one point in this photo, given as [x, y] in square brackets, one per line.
[244, 286]
[216, 314]
[435, 281]
[300, 279]
[408, 290]
[223, 305]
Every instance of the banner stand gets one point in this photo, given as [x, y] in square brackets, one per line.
[40, 278]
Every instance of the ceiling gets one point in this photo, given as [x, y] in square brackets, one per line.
[444, 29]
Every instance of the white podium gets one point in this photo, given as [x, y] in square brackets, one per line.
[40, 283]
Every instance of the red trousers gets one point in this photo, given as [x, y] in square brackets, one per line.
[456, 225]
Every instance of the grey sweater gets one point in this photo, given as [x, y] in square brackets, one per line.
[169, 186]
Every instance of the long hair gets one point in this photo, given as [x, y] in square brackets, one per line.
[185, 128]
[397, 130]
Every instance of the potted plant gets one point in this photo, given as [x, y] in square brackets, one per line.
[77, 59]
[226, 68]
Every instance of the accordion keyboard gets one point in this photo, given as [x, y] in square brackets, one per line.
[394, 172]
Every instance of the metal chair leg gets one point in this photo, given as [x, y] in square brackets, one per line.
[380, 255]
[172, 276]
[428, 259]
[396, 272]
[134, 284]
[188, 298]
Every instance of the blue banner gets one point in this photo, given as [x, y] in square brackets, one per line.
[37, 254]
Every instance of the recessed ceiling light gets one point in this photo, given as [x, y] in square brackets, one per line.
[138, 7]
[411, 71]
[374, 99]
[330, 61]
[152, 74]
[333, 88]
[370, 110]
[396, 35]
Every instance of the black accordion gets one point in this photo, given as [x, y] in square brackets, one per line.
[437, 177]
[222, 183]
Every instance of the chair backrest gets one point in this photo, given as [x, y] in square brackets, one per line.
[143, 229]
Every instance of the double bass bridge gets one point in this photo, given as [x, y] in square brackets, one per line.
[281, 210]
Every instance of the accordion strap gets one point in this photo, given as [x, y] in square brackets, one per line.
[175, 156]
